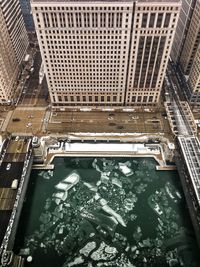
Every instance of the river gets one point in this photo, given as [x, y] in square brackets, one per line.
[106, 212]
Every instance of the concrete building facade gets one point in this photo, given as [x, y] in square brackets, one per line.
[192, 41]
[9, 67]
[13, 47]
[194, 79]
[11, 11]
[154, 25]
[93, 51]
[182, 29]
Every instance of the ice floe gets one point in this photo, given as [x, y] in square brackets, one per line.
[88, 248]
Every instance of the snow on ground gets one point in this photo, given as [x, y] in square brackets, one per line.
[108, 147]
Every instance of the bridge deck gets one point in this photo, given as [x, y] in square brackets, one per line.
[10, 169]
[190, 147]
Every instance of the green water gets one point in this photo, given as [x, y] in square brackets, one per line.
[121, 212]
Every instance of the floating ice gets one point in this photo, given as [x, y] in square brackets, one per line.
[45, 217]
[137, 234]
[76, 261]
[29, 259]
[61, 186]
[125, 169]
[110, 250]
[88, 248]
[178, 194]
[57, 201]
[90, 186]
[50, 172]
[110, 211]
[58, 195]
[97, 196]
[103, 202]
[42, 245]
[104, 252]
[117, 182]
[72, 179]
[47, 204]
[133, 217]
[105, 177]
[61, 230]
[24, 252]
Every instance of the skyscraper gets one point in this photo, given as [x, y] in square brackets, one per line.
[194, 79]
[105, 52]
[190, 57]
[154, 24]
[13, 46]
[182, 28]
[9, 67]
[192, 41]
[27, 15]
[11, 11]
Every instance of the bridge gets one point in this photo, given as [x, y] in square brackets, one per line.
[15, 166]
[188, 160]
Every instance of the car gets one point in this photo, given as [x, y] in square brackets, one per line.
[29, 124]
[14, 184]
[15, 119]
[8, 166]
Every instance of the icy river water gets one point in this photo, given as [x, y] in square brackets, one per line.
[93, 212]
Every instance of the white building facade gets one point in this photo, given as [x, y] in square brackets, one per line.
[93, 51]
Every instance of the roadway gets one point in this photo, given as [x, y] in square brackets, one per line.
[190, 151]
[190, 147]
[10, 169]
[102, 121]
[178, 111]
[33, 92]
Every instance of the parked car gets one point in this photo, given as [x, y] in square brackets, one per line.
[15, 119]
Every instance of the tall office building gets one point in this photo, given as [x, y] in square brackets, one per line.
[154, 24]
[194, 79]
[13, 46]
[11, 10]
[192, 41]
[27, 15]
[105, 52]
[182, 28]
[9, 67]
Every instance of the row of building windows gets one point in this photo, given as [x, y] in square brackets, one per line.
[102, 98]
[85, 33]
[88, 43]
[156, 8]
[82, 8]
[86, 98]
[79, 52]
[76, 90]
[82, 20]
[100, 8]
